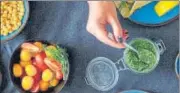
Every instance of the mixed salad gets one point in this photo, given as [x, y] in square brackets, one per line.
[41, 66]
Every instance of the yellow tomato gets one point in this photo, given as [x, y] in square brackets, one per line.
[25, 63]
[54, 82]
[47, 52]
[47, 75]
[27, 82]
[25, 55]
[17, 70]
[43, 85]
[30, 70]
[39, 45]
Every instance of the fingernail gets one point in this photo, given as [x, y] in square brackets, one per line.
[120, 39]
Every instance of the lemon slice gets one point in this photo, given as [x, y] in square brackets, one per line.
[138, 5]
[127, 8]
[162, 7]
[123, 7]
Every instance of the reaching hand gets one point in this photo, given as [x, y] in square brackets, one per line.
[102, 13]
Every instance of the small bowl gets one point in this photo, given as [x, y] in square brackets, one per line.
[17, 81]
[23, 23]
[133, 91]
[177, 66]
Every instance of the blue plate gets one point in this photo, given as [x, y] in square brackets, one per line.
[23, 23]
[134, 91]
[177, 66]
[147, 15]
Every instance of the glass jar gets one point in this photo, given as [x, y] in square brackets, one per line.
[102, 73]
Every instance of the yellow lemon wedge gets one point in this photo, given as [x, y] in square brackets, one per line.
[162, 7]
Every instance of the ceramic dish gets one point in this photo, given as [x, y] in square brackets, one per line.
[177, 66]
[17, 81]
[23, 21]
[3, 78]
[0, 78]
[147, 16]
[133, 91]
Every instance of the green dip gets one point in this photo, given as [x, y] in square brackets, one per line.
[146, 59]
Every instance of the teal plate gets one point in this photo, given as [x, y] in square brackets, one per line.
[23, 21]
[148, 17]
[134, 91]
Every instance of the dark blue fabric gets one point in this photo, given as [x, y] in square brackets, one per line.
[65, 23]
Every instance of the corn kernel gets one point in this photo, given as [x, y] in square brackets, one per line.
[11, 15]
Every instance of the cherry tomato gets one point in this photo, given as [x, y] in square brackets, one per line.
[53, 65]
[44, 85]
[37, 77]
[30, 47]
[42, 67]
[35, 88]
[43, 54]
[39, 61]
[27, 82]
[59, 75]
[39, 45]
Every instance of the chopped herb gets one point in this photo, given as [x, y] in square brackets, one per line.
[146, 59]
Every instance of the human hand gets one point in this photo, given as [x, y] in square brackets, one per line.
[102, 13]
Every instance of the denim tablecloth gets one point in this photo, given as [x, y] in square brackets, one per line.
[65, 23]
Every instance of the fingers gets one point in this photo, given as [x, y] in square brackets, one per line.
[99, 31]
[117, 30]
[109, 41]
[103, 36]
[111, 36]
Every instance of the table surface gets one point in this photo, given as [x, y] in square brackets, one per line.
[65, 23]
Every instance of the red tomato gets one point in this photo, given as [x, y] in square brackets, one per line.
[39, 61]
[37, 77]
[43, 54]
[35, 88]
[59, 75]
[53, 65]
[42, 67]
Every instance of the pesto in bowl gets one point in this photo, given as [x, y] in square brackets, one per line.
[146, 59]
